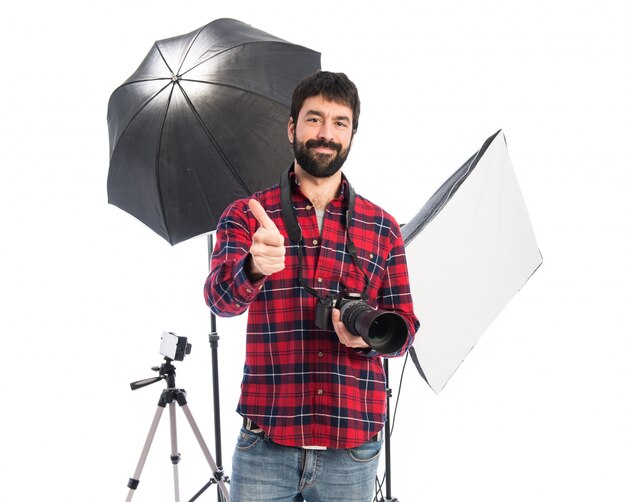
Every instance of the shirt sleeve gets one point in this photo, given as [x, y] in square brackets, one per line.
[228, 291]
[394, 294]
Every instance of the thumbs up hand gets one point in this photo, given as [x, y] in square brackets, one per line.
[268, 245]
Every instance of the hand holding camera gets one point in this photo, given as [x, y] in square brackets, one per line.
[381, 330]
[268, 245]
[345, 337]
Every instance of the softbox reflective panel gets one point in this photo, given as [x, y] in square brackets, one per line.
[469, 250]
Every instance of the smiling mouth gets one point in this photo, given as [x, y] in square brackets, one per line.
[324, 150]
[323, 147]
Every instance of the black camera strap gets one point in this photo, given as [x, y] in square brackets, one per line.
[295, 231]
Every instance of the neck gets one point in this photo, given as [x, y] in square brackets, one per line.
[320, 191]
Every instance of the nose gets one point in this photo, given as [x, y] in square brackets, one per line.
[325, 131]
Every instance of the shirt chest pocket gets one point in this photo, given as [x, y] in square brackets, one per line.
[354, 279]
[372, 265]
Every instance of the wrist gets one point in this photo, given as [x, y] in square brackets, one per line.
[253, 274]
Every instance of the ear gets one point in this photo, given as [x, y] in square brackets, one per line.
[352, 138]
[291, 130]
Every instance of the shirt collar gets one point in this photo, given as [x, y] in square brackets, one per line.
[295, 183]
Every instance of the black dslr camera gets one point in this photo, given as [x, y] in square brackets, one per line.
[384, 331]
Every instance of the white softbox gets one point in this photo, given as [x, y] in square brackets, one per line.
[469, 250]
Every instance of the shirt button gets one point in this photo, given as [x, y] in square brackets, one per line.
[371, 256]
[309, 207]
[248, 290]
[320, 354]
[315, 242]
[238, 305]
[319, 279]
[320, 392]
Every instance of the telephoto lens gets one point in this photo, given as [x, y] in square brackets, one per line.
[384, 331]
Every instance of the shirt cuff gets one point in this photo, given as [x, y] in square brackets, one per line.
[245, 289]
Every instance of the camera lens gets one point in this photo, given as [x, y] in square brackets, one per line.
[382, 330]
[350, 312]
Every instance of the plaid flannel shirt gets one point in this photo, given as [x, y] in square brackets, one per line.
[300, 385]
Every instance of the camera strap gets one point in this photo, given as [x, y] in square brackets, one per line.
[295, 231]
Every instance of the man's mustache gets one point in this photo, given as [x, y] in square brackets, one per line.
[317, 143]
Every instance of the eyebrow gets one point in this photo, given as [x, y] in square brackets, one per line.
[317, 113]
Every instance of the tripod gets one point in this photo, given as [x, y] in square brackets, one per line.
[170, 396]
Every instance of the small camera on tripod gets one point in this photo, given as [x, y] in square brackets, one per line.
[174, 347]
[384, 331]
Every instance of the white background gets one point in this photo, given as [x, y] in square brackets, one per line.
[535, 413]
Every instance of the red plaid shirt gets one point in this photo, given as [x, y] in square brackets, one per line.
[300, 385]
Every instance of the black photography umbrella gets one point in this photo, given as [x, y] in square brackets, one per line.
[202, 122]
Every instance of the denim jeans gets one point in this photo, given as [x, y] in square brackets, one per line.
[263, 471]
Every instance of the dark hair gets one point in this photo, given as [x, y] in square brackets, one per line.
[333, 87]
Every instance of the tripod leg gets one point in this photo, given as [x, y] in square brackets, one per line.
[207, 453]
[175, 456]
[134, 481]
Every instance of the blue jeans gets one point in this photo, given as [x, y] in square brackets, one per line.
[264, 471]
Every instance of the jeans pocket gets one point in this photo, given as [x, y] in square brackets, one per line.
[247, 440]
[366, 452]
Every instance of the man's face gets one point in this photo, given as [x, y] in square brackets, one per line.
[322, 136]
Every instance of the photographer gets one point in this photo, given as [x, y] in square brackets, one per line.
[313, 393]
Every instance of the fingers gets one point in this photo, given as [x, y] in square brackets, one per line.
[259, 213]
[265, 263]
[345, 337]
[268, 244]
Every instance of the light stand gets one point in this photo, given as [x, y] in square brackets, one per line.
[387, 497]
[213, 342]
[170, 397]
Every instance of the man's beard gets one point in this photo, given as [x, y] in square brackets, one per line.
[320, 165]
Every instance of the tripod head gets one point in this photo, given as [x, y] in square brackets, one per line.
[166, 371]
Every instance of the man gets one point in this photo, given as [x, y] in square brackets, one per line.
[313, 397]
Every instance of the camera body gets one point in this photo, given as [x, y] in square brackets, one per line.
[384, 331]
[324, 308]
